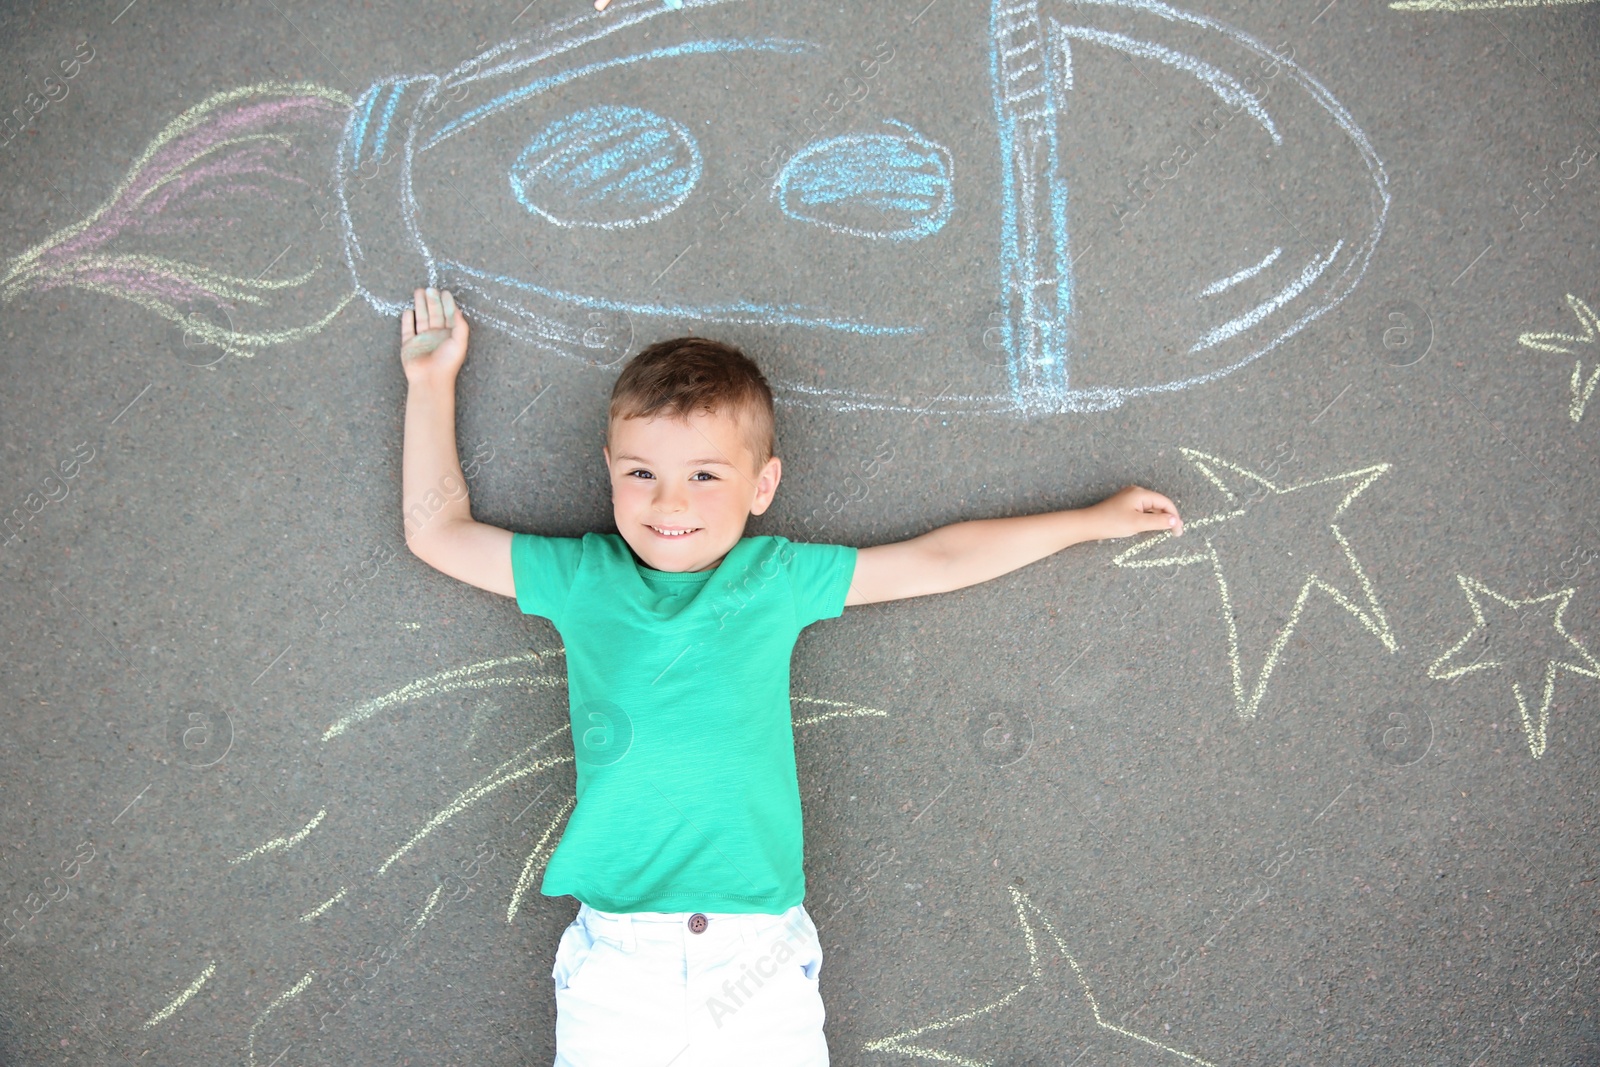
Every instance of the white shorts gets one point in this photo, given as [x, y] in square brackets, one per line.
[645, 990]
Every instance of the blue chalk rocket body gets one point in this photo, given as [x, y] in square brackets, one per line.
[666, 170]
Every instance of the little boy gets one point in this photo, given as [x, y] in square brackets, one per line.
[691, 946]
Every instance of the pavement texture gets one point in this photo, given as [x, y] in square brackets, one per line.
[1315, 784]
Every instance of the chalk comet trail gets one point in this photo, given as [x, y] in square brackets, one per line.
[445, 682]
[466, 799]
[524, 762]
[182, 998]
[283, 842]
[283, 998]
[843, 709]
[427, 909]
[504, 774]
[325, 905]
[536, 860]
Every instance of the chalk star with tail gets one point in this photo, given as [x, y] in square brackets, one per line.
[1578, 345]
[1063, 997]
[1245, 535]
[1560, 652]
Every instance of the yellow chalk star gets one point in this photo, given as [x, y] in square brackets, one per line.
[1579, 345]
[1056, 995]
[1248, 493]
[1453, 664]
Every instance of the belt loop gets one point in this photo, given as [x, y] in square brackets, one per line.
[629, 938]
[615, 926]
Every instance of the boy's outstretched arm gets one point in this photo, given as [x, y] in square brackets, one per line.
[966, 553]
[439, 526]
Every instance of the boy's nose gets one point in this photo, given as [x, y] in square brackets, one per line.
[670, 498]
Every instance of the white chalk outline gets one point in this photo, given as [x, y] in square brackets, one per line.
[1226, 86]
[1037, 332]
[1052, 396]
[1311, 273]
[1021, 902]
[1372, 619]
[1536, 731]
[1249, 272]
[1477, 5]
[1033, 66]
[1339, 287]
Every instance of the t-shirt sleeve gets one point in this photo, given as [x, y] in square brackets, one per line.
[542, 571]
[819, 579]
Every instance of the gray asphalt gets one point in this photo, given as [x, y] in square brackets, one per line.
[1313, 785]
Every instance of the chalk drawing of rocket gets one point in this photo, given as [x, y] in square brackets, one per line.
[557, 181]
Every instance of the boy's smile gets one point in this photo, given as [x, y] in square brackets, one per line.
[681, 491]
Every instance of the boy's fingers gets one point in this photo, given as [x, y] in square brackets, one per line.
[1156, 500]
[435, 310]
[419, 300]
[1158, 520]
[408, 327]
[449, 309]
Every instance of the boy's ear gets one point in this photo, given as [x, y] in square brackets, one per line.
[766, 485]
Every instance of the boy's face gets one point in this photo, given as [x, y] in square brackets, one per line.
[671, 475]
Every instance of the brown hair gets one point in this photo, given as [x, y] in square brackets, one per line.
[686, 375]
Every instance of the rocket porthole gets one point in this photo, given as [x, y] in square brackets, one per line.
[893, 185]
[606, 168]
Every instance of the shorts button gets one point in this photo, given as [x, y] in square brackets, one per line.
[698, 923]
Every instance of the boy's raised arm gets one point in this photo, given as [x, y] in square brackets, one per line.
[439, 526]
[966, 553]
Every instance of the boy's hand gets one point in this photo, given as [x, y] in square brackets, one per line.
[433, 338]
[1137, 510]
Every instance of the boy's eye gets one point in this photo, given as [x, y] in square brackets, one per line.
[696, 474]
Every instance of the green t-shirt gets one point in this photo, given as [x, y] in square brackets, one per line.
[678, 682]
